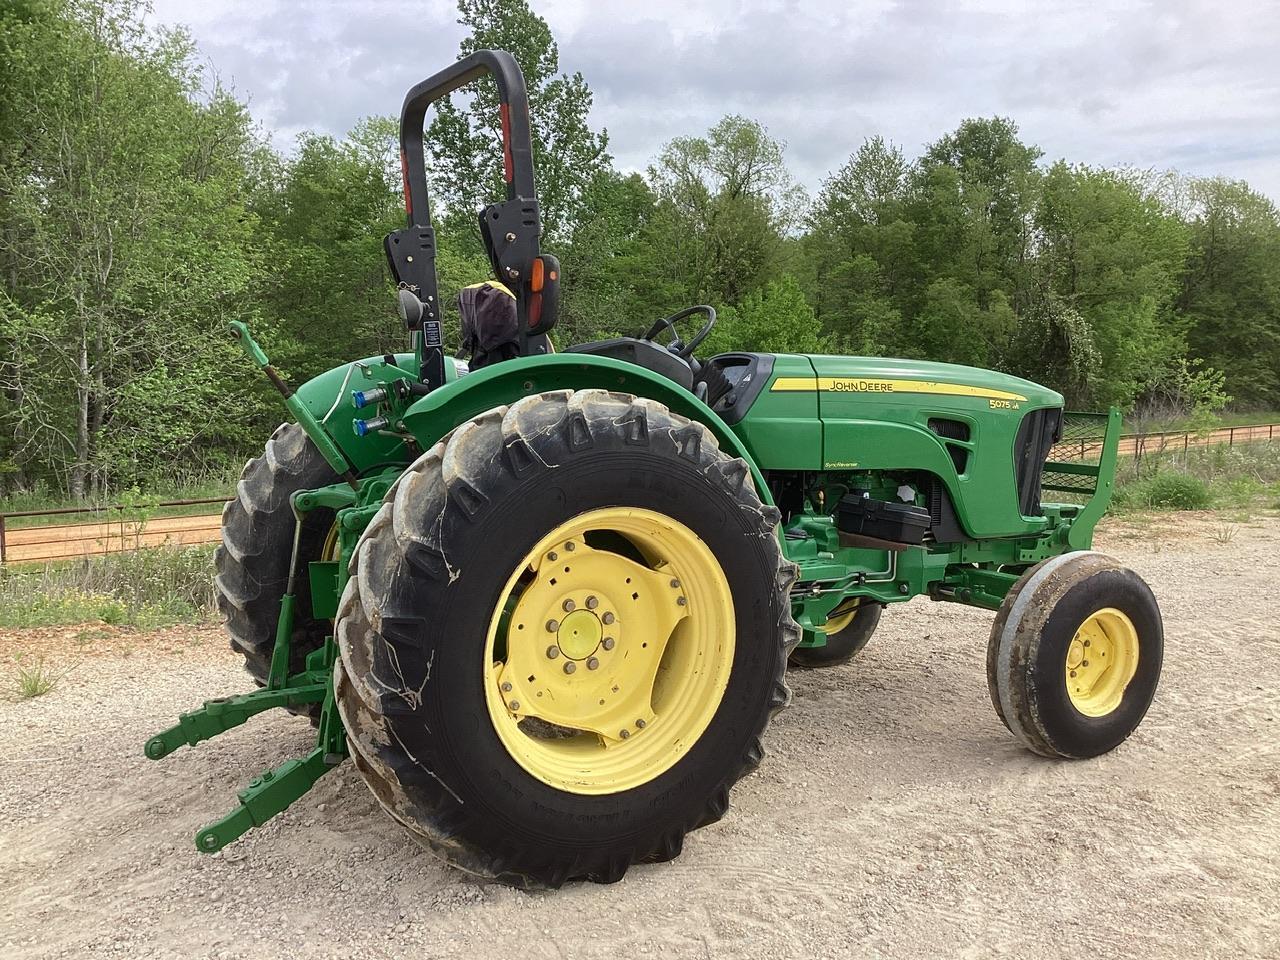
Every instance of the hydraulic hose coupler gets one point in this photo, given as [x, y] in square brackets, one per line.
[364, 427]
[364, 398]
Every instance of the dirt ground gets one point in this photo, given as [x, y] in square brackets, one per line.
[894, 816]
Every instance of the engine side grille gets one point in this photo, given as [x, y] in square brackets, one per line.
[1039, 431]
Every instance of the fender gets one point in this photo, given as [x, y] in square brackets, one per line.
[328, 397]
[434, 415]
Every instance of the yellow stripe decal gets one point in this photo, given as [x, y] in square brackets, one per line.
[875, 385]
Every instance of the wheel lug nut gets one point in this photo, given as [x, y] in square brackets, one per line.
[506, 687]
[553, 556]
[1087, 643]
[675, 582]
[639, 724]
[515, 704]
[607, 643]
[570, 667]
[553, 626]
[681, 601]
[624, 734]
[570, 546]
[567, 605]
[1084, 663]
[592, 663]
[592, 603]
[552, 652]
[1073, 673]
[607, 618]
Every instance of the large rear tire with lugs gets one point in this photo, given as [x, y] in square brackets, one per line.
[252, 562]
[563, 637]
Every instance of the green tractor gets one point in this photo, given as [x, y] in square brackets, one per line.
[546, 601]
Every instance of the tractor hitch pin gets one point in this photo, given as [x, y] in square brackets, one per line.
[309, 424]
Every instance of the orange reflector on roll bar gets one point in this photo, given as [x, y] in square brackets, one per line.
[504, 111]
[404, 177]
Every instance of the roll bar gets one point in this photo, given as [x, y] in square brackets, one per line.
[510, 229]
[517, 145]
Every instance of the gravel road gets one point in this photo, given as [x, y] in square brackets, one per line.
[894, 816]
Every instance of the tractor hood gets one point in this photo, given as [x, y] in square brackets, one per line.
[923, 379]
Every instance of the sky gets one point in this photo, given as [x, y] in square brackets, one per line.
[1190, 85]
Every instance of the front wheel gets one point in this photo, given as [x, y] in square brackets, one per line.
[1075, 655]
[848, 629]
[565, 633]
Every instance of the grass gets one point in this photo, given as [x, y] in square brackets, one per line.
[1224, 533]
[149, 588]
[1239, 477]
[34, 680]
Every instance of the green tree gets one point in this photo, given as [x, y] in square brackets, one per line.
[1112, 254]
[725, 201]
[606, 256]
[466, 132]
[861, 248]
[1230, 295]
[125, 210]
[324, 213]
[774, 319]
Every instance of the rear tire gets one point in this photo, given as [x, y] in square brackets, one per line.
[1048, 671]
[252, 562]
[431, 588]
[844, 644]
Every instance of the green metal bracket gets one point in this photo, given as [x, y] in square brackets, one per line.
[218, 716]
[324, 588]
[310, 425]
[977, 587]
[1080, 533]
[269, 794]
[274, 791]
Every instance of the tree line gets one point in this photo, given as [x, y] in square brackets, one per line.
[141, 209]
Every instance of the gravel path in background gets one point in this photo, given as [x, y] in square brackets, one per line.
[894, 816]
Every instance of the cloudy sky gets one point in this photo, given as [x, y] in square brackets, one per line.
[1192, 85]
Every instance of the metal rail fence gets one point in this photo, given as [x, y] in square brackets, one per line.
[57, 541]
[1140, 444]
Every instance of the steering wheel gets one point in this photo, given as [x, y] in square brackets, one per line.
[683, 350]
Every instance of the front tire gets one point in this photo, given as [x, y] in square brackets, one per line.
[496, 563]
[849, 629]
[1074, 656]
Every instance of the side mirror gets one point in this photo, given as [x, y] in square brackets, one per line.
[409, 307]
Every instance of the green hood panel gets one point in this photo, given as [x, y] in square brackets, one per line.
[958, 423]
[922, 381]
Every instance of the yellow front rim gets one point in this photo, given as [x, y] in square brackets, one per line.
[329, 550]
[1101, 660]
[609, 651]
[841, 616]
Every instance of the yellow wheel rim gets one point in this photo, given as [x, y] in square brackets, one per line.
[1101, 660]
[841, 617]
[609, 651]
[329, 551]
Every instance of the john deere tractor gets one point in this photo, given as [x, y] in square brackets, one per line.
[545, 601]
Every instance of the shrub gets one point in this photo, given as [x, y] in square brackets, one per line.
[1165, 490]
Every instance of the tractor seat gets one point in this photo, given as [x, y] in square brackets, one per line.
[643, 353]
